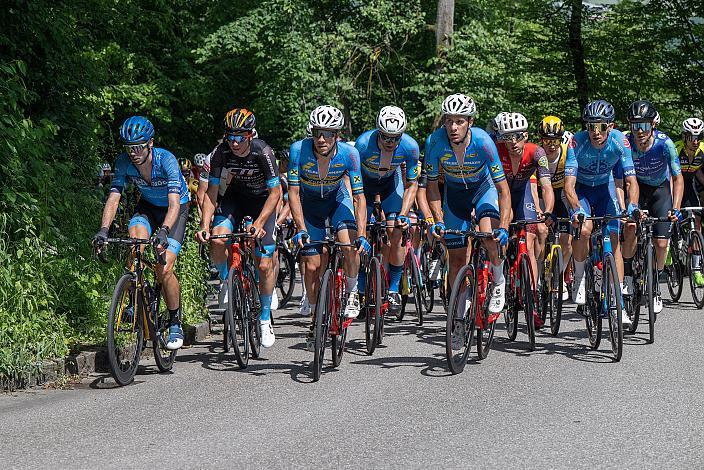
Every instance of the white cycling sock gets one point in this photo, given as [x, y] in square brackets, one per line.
[351, 284]
[498, 272]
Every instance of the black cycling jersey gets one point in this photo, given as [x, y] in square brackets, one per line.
[250, 176]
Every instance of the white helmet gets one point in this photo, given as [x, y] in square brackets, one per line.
[694, 126]
[495, 122]
[566, 137]
[327, 117]
[309, 129]
[512, 122]
[106, 167]
[391, 120]
[656, 121]
[199, 159]
[460, 105]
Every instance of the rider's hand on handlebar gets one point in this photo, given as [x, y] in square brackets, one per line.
[437, 230]
[202, 236]
[633, 208]
[301, 238]
[676, 215]
[364, 246]
[575, 216]
[101, 237]
[256, 230]
[402, 222]
[549, 218]
[501, 236]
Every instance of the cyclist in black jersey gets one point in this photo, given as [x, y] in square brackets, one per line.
[243, 181]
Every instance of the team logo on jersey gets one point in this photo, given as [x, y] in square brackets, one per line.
[414, 171]
[626, 143]
[530, 206]
[543, 161]
[357, 179]
[293, 172]
[308, 166]
[495, 169]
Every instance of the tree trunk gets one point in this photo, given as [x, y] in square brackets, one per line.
[444, 26]
[577, 50]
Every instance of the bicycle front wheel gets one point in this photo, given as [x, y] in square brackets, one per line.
[651, 278]
[592, 307]
[253, 308]
[556, 286]
[125, 332]
[428, 290]
[237, 320]
[461, 319]
[696, 267]
[286, 279]
[612, 302]
[417, 289]
[323, 312]
[674, 271]
[527, 290]
[373, 300]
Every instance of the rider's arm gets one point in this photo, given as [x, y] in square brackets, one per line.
[676, 171]
[173, 210]
[543, 173]
[632, 186]
[570, 192]
[434, 201]
[620, 194]
[174, 184]
[110, 209]
[412, 173]
[294, 189]
[548, 194]
[268, 165]
[504, 203]
[200, 194]
[211, 195]
[360, 203]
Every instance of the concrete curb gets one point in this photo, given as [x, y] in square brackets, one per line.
[90, 361]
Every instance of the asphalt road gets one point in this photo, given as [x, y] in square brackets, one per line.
[561, 406]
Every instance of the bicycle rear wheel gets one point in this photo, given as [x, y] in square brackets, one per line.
[696, 246]
[253, 308]
[528, 300]
[612, 299]
[485, 335]
[286, 279]
[323, 312]
[373, 301]
[650, 280]
[125, 332]
[237, 320]
[461, 319]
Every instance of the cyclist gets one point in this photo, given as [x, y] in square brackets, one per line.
[656, 163]
[162, 210]
[552, 132]
[691, 154]
[520, 160]
[474, 181]
[590, 187]
[244, 173]
[382, 151]
[317, 192]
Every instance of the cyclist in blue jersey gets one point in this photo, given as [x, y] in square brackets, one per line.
[382, 152]
[317, 193]
[590, 187]
[475, 190]
[161, 210]
[243, 181]
[656, 162]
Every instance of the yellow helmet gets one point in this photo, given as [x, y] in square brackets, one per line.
[551, 127]
[185, 164]
[240, 120]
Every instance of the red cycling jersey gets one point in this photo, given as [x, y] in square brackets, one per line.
[533, 160]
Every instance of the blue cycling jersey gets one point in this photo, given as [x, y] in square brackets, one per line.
[303, 170]
[481, 160]
[166, 178]
[370, 157]
[594, 167]
[655, 165]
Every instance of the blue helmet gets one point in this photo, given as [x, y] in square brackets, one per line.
[599, 111]
[136, 129]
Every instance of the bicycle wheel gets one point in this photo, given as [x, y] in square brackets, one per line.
[528, 300]
[125, 332]
[696, 246]
[511, 313]
[417, 288]
[324, 308]
[485, 335]
[428, 290]
[237, 320]
[592, 307]
[675, 270]
[555, 300]
[286, 279]
[373, 301]
[612, 301]
[161, 321]
[650, 280]
[253, 307]
[461, 319]
[443, 284]
[338, 340]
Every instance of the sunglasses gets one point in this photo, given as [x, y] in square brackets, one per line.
[641, 126]
[389, 139]
[326, 133]
[512, 137]
[136, 149]
[692, 138]
[551, 141]
[236, 138]
[598, 126]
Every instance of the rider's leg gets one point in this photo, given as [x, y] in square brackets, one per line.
[219, 248]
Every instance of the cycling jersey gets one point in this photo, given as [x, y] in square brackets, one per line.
[593, 167]
[533, 160]
[166, 178]
[303, 170]
[655, 165]
[557, 167]
[370, 157]
[690, 198]
[250, 176]
[481, 160]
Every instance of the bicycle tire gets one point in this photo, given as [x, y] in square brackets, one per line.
[463, 290]
[484, 336]
[511, 313]
[323, 312]
[373, 301]
[253, 309]
[443, 284]
[124, 371]
[286, 280]
[528, 300]
[428, 290]
[555, 301]
[237, 320]
[592, 317]
[675, 271]
[696, 245]
[613, 305]
[163, 357]
[338, 341]
[650, 288]
[417, 288]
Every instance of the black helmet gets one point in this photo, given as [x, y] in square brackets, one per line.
[599, 111]
[642, 110]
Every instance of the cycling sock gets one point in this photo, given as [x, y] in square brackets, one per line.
[395, 273]
[351, 284]
[361, 280]
[628, 266]
[498, 272]
[174, 316]
[266, 307]
[579, 270]
[222, 270]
